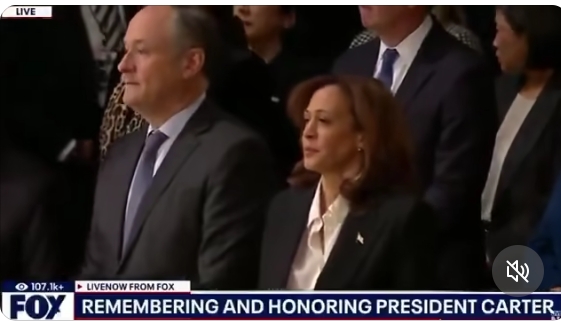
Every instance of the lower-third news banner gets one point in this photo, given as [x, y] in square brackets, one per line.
[136, 300]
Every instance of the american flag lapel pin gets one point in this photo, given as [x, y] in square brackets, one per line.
[359, 238]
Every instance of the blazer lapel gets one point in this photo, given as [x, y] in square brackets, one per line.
[532, 127]
[353, 244]
[120, 176]
[181, 149]
[291, 231]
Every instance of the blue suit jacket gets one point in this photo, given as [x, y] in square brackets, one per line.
[547, 240]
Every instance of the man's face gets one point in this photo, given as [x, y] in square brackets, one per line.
[263, 22]
[378, 18]
[151, 67]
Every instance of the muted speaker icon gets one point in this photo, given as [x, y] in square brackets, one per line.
[523, 271]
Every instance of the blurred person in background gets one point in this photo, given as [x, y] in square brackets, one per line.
[184, 196]
[61, 73]
[527, 154]
[547, 241]
[29, 216]
[446, 92]
[352, 219]
[452, 19]
[267, 29]
[56, 77]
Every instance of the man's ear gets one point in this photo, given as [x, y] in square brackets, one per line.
[193, 62]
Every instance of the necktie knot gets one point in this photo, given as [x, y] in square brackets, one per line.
[153, 142]
[389, 57]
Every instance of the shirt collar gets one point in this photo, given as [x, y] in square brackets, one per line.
[173, 126]
[338, 210]
[409, 47]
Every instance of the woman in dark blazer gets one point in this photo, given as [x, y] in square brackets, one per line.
[527, 154]
[351, 220]
[547, 242]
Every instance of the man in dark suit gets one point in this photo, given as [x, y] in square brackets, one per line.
[242, 86]
[57, 72]
[447, 93]
[185, 197]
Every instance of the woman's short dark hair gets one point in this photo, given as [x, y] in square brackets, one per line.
[387, 154]
[542, 27]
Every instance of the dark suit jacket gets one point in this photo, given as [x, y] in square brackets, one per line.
[28, 244]
[547, 240]
[448, 99]
[398, 252]
[201, 219]
[530, 167]
[48, 73]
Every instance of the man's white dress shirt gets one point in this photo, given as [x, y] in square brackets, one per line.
[407, 51]
[171, 128]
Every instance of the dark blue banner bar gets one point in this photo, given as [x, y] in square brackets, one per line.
[30, 287]
[316, 306]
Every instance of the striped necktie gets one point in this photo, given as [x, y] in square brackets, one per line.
[111, 26]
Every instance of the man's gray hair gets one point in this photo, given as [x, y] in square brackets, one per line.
[194, 26]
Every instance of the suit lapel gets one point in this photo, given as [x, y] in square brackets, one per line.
[422, 67]
[291, 231]
[530, 131]
[120, 176]
[181, 149]
[354, 242]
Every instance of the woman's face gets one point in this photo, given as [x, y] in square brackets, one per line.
[262, 22]
[330, 140]
[511, 48]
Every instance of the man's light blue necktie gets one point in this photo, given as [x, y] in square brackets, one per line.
[386, 72]
[142, 179]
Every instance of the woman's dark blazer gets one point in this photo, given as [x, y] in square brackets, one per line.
[397, 251]
[530, 167]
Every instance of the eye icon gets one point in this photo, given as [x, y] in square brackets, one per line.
[21, 287]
